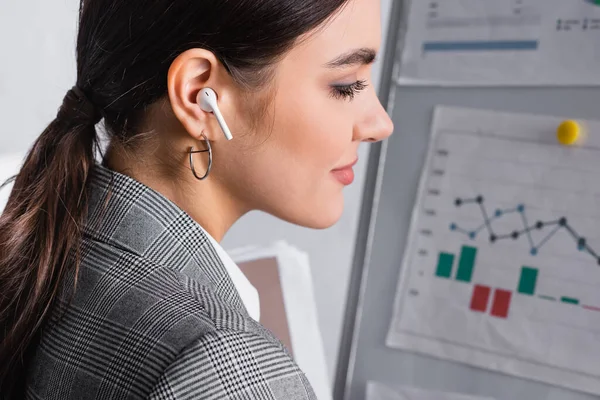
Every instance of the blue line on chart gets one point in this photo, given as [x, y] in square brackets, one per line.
[484, 45]
[560, 223]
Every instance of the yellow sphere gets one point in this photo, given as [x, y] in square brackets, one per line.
[568, 132]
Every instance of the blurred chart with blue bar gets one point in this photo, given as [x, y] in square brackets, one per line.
[502, 268]
[498, 42]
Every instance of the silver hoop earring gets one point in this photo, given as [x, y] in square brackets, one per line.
[210, 159]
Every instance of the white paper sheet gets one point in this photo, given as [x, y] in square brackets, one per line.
[502, 42]
[300, 307]
[502, 281]
[9, 166]
[379, 391]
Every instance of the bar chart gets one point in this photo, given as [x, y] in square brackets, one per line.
[481, 293]
[501, 269]
[500, 298]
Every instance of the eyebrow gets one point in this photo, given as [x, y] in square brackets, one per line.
[363, 56]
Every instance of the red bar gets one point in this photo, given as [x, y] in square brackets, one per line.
[480, 298]
[592, 308]
[501, 303]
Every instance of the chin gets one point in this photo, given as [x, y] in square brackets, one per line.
[319, 216]
[324, 222]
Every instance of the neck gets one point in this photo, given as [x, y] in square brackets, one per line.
[207, 202]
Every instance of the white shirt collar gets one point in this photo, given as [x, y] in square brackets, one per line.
[247, 292]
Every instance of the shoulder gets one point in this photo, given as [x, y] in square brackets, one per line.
[127, 322]
[227, 364]
[149, 300]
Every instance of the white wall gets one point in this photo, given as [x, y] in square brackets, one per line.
[37, 67]
[37, 40]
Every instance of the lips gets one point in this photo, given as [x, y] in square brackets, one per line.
[345, 174]
[352, 164]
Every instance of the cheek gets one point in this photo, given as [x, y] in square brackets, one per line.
[309, 140]
[285, 168]
[316, 134]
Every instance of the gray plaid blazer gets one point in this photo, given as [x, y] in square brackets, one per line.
[154, 314]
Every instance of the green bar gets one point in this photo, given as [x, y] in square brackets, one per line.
[527, 280]
[541, 296]
[466, 264]
[569, 300]
[444, 267]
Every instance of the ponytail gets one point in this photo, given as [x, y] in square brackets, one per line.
[40, 231]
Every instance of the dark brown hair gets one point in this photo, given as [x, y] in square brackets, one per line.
[124, 51]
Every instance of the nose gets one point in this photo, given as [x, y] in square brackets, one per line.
[375, 125]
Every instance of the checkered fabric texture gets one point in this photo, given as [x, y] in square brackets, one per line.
[154, 314]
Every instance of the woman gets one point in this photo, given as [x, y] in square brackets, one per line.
[112, 280]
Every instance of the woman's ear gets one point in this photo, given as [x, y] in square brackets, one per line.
[192, 71]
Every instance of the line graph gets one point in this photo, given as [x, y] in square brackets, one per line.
[500, 269]
[487, 222]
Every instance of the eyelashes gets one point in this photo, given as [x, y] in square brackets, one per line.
[348, 92]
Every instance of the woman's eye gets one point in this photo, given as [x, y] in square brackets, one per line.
[348, 91]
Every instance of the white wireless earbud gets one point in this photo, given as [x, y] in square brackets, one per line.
[207, 99]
